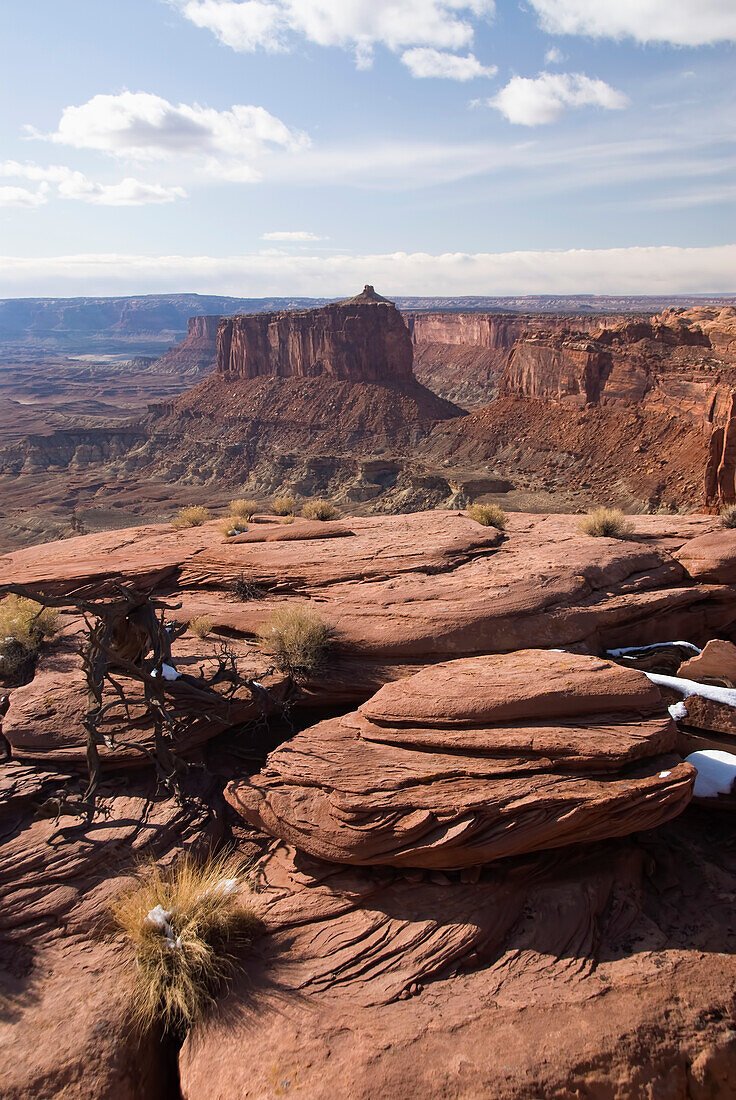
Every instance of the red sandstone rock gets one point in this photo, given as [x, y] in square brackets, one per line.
[197, 353]
[363, 339]
[476, 760]
[717, 662]
[711, 558]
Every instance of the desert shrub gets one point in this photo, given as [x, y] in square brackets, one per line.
[320, 509]
[728, 515]
[201, 625]
[193, 516]
[490, 515]
[23, 626]
[243, 590]
[180, 923]
[297, 638]
[283, 506]
[608, 523]
[233, 525]
[287, 519]
[245, 508]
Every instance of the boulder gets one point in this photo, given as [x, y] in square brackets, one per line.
[475, 760]
[716, 663]
[711, 558]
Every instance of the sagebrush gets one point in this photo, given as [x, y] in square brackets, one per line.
[180, 923]
[245, 508]
[297, 638]
[192, 516]
[283, 506]
[608, 523]
[490, 515]
[320, 509]
[201, 625]
[24, 624]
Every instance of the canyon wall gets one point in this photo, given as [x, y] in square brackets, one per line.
[197, 353]
[363, 339]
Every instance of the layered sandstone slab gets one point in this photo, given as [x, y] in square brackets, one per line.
[475, 760]
[363, 339]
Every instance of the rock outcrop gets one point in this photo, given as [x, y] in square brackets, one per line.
[363, 339]
[196, 354]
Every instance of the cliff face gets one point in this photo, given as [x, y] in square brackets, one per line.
[197, 353]
[363, 339]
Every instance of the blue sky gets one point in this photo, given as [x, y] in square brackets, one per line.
[308, 146]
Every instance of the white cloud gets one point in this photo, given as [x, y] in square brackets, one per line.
[677, 22]
[554, 56]
[642, 270]
[147, 126]
[359, 25]
[23, 198]
[425, 61]
[298, 235]
[536, 101]
[75, 185]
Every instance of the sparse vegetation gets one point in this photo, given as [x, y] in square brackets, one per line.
[245, 508]
[320, 509]
[232, 526]
[728, 515]
[180, 923]
[608, 523]
[283, 506]
[298, 639]
[201, 625]
[23, 626]
[490, 515]
[192, 516]
[243, 590]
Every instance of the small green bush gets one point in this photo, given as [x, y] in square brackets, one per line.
[193, 516]
[490, 515]
[608, 523]
[283, 506]
[320, 509]
[297, 638]
[728, 515]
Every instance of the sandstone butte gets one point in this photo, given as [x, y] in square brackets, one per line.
[479, 872]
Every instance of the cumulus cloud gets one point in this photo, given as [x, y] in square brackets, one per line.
[298, 235]
[148, 127]
[75, 185]
[23, 198]
[359, 25]
[677, 22]
[536, 101]
[425, 61]
[643, 270]
[554, 56]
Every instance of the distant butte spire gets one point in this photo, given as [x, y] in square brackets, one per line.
[366, 297]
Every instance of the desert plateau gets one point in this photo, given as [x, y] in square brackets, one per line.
[368, 656]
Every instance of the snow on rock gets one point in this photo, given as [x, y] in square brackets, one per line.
[678, 711]
[716, 772]
[168, 672]
[645, 648]
[727, 696]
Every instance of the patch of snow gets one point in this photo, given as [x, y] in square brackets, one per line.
[227, 887]
[168, 672]
[716, 772]
[678, 711]
[643, 648]
[665, 775]
[159, 918]
[727, 696]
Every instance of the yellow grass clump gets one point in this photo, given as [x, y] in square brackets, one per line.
[283, 506]
[608, 523]
[23, 626]
[728, 515]
[233, 525]
[245, 508]
[490, 515]
[297, 638]
[180, 923]
[201, 625]
[193, 516]
[320, 509]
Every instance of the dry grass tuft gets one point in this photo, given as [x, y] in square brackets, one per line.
[245, 508]
[23, 626]
[201, 625]
[728, 515]
[490, 515]
[193, 516]
[180, 922]
[243, 590]
[608, 523]
[283, 506]
[297, 638]
[320, 509]
[232, 526]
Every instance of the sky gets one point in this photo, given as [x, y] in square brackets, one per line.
[430, 147]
